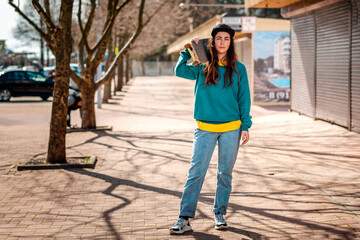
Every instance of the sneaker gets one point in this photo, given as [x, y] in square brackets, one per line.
[220, 222]
[180, 226]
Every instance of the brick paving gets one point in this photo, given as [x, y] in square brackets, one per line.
[296, 179]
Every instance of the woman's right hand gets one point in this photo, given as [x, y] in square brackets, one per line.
[195, 39]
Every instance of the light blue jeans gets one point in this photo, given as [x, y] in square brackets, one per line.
[203, 148]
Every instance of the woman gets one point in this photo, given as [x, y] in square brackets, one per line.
[222, 113]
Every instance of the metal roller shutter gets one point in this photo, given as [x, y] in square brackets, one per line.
[332, 63]
[303, 64]
[355, 68]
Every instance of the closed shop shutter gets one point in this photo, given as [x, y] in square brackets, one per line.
[355, 68]
[332, 63]
[303, 64]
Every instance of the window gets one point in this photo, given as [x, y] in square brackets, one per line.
[3, 76]
[36, 77]
[16, 76]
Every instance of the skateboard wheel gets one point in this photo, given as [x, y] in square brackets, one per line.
[196, 63]
[188, 45]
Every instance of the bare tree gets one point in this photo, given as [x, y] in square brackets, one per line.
[110, 56]
[95, 53]
[170, 23]
[58, 38]
[26, 33]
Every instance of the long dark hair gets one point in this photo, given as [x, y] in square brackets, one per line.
[211, 68]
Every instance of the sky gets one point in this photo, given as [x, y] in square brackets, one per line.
[264, 43]
[8, 21]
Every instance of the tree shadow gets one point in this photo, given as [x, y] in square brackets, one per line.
[264, 212]
[128, 142]
[251, 235]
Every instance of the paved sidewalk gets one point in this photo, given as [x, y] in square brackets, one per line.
[296, 179]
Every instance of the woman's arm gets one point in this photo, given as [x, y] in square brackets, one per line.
[244, 99]
[182, 69]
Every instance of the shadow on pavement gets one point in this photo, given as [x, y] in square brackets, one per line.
[264, 212]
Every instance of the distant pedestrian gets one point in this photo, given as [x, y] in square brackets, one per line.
[222, 113]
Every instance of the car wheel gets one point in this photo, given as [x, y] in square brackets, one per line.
[44, 98]
[5, 95]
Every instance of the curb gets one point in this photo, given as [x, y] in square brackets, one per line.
[90, 164]
[99, 128]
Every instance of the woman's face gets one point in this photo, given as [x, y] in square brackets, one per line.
[222, 42]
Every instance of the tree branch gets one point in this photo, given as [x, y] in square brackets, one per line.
[112, 67]
[47, 8]
[17, 9]
[109, 25]
[76, 78]
[84, 37]
[156, 11]
[50, 25]
[110, 21]
[125, 48]
[91, 18]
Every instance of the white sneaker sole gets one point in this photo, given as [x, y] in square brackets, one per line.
[185, 229]
[221, 227]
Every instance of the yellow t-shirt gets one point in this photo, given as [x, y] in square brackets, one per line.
[222, 63]
[222, 127]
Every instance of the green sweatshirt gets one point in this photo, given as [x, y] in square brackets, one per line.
[216, 104]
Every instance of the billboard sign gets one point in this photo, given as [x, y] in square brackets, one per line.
[248, 24]
[232, 21]
[272, 66]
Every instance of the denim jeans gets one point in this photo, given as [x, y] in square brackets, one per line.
[203, 148]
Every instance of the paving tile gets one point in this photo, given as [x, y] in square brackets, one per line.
[294, 180]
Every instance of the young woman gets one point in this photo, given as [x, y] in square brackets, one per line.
[222, 113]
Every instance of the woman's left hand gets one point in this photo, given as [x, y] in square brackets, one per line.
[245, 137]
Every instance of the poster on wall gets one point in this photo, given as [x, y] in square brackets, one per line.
[272, 66]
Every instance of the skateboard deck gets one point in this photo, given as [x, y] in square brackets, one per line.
[199, 52]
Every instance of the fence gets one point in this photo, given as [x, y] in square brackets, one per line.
[152, 68]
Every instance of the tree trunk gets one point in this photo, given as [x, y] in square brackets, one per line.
[127, 69]
[42, 52]
[88, 106]
[107, 88]
[120, 75]
[81, 59]
[131, 69]
[158, 65]
[41, 45]
[114, 78]
[47, 56]
[63, 46]
[143, 66]
[107, 91]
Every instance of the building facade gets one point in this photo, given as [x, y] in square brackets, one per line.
[254, 43]
[282, 54]
[325, 58]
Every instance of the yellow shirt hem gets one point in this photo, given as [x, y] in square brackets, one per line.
[223, 127]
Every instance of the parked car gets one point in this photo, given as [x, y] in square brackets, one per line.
[30, 68]
[16, 83]
[50, 71]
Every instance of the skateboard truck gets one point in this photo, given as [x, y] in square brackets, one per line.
[189, 48]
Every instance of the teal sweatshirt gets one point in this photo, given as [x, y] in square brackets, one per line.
[216, 104]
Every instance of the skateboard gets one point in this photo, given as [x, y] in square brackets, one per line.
[199, 52]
